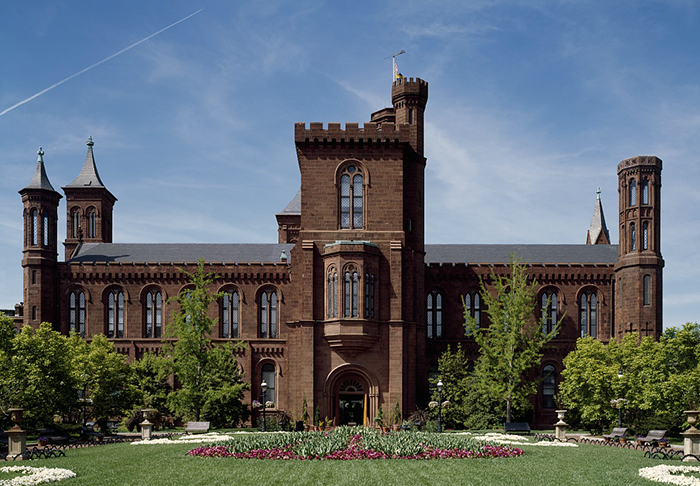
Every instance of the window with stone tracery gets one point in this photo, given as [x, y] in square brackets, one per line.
[352, 197]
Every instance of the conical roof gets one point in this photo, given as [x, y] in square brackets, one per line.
[88, 175]
[40, 179]
[598, 231]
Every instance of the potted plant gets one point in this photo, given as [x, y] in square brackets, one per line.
[42, 441]
[305, 414]
[379, 418]
[397, 417]
[317, 418]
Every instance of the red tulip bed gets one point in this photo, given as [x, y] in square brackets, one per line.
[347, 443]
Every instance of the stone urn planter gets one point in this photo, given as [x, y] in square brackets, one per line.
[691, 416]
[16, 415]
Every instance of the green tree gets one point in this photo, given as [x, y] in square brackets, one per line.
[511, 344]
[152, 373]
[209, 375]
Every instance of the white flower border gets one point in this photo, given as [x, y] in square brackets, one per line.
[671, 474]
[519, 440]
[34, 475]
[185, 439]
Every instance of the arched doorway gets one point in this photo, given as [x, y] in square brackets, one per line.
[352, 402]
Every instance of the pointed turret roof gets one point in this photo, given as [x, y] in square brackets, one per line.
[40, 179]
[89, 175]
[598, 232]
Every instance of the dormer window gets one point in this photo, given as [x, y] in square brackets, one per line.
[351, 198]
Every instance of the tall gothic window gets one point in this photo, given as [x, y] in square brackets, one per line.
[370, 289]
[589, 314]
[45, 228]
[76, 315]
[75, 223]
[433, 308]
[472, 307]
[633, 237]
[548, 311]
[92, 224]
[332, 294]
[230, 314]
[549, 386]
[268, 314]
[645, 235]
[647, 289]
[351, 198]
[645, 191]
[268, 376]
[351, 283]
[633, 192]
[115, 314]
[154, 314]
[35, 227]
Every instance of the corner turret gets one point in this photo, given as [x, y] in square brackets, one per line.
[409, 98]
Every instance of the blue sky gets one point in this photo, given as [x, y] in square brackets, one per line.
[532, 106]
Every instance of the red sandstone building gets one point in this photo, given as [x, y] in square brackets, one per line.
[350, 308]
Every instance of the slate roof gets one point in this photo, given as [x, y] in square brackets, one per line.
[88, 175]
[294, 206]
[241, 253]
[598, 225]
[40, 179]
[529, 253]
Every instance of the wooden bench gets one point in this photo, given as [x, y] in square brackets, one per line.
[516, 427]
[197, 427]
[53, 437]
[616, 433]
[653, 436]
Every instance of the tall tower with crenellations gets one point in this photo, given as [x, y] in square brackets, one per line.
[639, 268]
[89, 206]
[40, 253]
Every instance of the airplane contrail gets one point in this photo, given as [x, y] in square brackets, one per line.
[96, 64]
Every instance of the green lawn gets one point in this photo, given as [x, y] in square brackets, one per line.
[125, 464]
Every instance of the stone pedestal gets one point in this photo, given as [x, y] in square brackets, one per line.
[560, 426]
[691, 437]
[147, 425]
[16, 443]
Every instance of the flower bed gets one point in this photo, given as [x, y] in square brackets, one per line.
[28, 476]
[671, 474]
[346, 443]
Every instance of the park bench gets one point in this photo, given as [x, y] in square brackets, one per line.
[509, 427]
[53, 436]
[87, 433]
[653, 436]
[197, 427]
[616, 433]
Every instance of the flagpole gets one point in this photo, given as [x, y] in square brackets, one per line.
[395, 74]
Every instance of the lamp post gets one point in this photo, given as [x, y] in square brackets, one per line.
[439, 389]
[619, 402]
[263, 387]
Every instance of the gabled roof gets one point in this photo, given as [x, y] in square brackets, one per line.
[165, 253]
[563, 254]
[40, 179]
[294, 206]
[88, 175]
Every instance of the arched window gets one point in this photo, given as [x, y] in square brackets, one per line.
[115, 314]
[33, 277]
[351, 198]
[647, 290]
[332, 294]
[370, 290]
[268, 314]
[433, 307]
[645, 235]
[230, 314]
[92, 224]
[633, 237]
[154, 314]
[75, 223]
[645, 191]
[633, 192]
[35, 227]
[548, 311]
[472, 308]
[351, 283]
[45, 228]
[268, 376]
[589, 314]
[76, 314]
[549, 386]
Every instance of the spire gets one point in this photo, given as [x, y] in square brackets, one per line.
[89, 175]
[598, 232]
[40, 179]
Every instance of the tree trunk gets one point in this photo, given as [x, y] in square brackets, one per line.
[508, 410]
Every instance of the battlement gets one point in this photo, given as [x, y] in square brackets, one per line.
[410, 86]
[640, 160]
[371, 132]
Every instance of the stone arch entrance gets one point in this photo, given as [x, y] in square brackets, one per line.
[351, 395]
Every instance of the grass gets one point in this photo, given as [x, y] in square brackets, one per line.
[125, 464]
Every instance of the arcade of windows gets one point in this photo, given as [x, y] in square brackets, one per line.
[633, 192]
[351, 197]
[76, 228]
[33, 227]
[350, 304]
